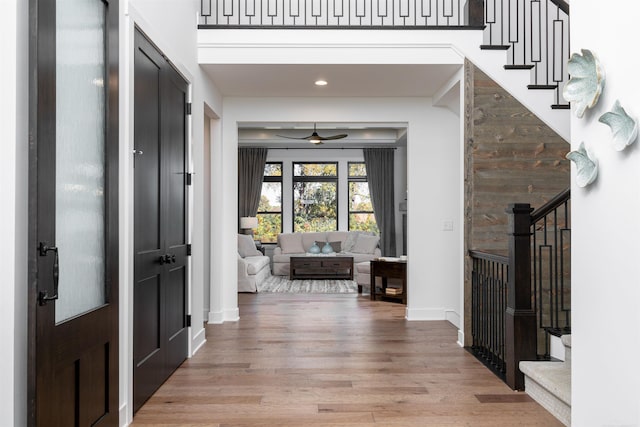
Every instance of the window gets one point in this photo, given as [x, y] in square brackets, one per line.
[270, 206]
[360, 207]
[315, 197]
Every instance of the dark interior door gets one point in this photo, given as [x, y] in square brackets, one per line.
[73, 213]
[160, 204]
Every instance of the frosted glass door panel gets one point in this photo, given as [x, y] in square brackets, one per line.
[80, 155]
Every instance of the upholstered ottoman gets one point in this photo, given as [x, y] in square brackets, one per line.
[363, 277]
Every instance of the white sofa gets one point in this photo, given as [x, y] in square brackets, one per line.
[253, 267]
[351, 243]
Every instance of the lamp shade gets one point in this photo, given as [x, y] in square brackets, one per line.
[248, 222]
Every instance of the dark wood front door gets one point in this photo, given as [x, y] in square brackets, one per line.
[73, 213]
[160, 342]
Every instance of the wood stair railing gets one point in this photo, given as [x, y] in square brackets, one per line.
[519, 298]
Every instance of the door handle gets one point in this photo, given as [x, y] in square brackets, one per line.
[167, 259]
[43, 296]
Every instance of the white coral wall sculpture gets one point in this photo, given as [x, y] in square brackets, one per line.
[623, 126]
[586, 167]
[586, 83]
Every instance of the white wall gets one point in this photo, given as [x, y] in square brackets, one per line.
[433, 180]
[606, 230]
[13, 216]
[171, 26]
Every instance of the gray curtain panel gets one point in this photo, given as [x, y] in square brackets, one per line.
[380, 174]
[251, 163]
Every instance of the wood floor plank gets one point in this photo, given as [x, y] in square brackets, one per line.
[334, 361]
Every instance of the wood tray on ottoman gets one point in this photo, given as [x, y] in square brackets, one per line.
[321, 267]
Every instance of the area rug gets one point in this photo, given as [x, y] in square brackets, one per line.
[283, 285]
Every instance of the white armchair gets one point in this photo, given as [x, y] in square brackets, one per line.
[253, 267]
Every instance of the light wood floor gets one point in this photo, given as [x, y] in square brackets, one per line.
[334, 360]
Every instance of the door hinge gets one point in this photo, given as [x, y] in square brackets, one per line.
[188, 108]
[188, 320]
[189, 249]
[189, 179]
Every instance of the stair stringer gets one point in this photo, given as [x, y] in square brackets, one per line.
[539, 102]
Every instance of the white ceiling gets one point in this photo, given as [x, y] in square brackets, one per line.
[297, 80]
[289, 80]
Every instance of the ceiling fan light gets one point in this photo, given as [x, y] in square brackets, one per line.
[321, 82]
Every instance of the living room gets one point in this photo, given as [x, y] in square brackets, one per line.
[433, 168]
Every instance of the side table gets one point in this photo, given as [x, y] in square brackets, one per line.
[388, 270]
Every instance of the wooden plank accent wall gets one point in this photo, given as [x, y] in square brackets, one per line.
[511, 156]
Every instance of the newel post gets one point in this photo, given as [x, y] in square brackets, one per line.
[520, 316]
[475, 11]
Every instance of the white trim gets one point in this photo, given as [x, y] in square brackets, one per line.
[215, 317]
[232, 314]
[226, 315]
[446, 88]
[425, 314]
[433, 313]
[198, 340]
[129, 22]
[460, 341]
[123, 415]
[452, 317]
[311, 47]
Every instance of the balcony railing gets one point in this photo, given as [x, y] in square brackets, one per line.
[342, 14]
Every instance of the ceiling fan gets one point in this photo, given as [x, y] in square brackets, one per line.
[314, 138]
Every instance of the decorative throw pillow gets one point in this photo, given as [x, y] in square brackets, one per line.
[365, 244]
[246, 246]
[291, 243]
[348, 243]
[337, 246]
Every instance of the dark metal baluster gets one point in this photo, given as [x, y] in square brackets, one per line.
[494, 310]
[566, 228]
[485, 304]
[556, 284]
[503, 307]
[474, 302]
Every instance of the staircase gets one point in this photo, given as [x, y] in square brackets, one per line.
[522, 44]
[549, 383]
[525, 48]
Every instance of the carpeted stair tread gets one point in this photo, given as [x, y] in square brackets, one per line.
[553, 376]
[566, 340]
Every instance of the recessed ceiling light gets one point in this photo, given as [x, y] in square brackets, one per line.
[321, 82]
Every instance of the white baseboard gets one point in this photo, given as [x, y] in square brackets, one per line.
[122, 416]
[449, 315]
[219, 317]
[425, 314]
[453, 317]
[215, 317]
[232, 315]
[198, 341]
[460, 338]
